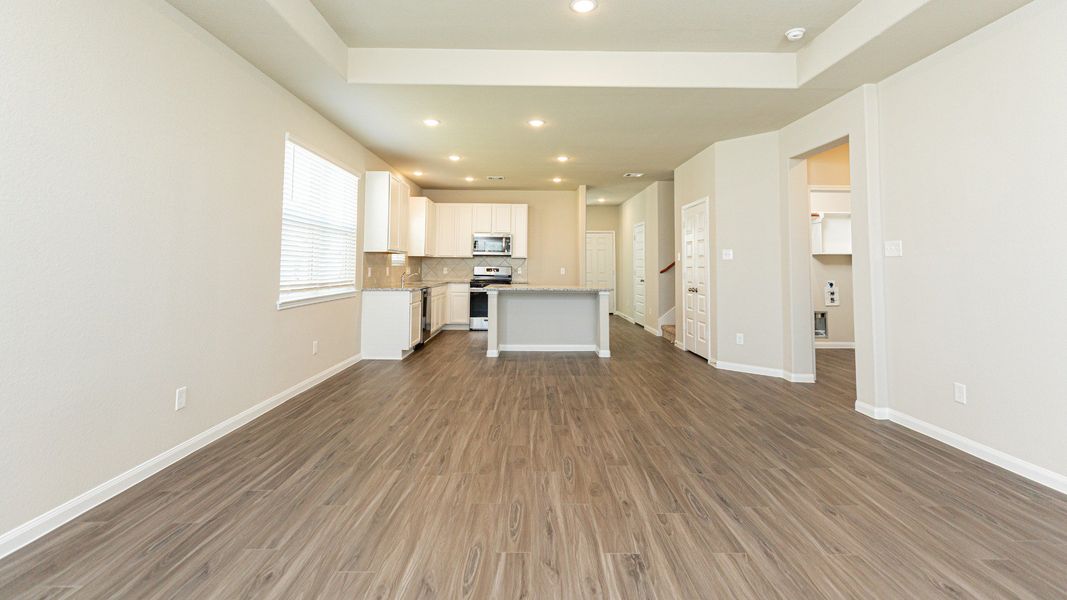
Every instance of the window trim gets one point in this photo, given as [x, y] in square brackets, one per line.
[295, 299]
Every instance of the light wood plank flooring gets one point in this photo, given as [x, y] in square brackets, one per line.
[649, 475]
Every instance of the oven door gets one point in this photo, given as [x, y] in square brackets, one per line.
[479, 309]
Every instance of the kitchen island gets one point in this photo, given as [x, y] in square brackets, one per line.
[548, 318]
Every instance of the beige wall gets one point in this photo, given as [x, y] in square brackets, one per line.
[144, 169]
[830, 167]
[749, 297]
[553, 228]
[601, 218]
[974, 144]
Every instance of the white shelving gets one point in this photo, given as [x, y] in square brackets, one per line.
[831, 221]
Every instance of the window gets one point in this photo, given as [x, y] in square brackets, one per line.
[318, 261]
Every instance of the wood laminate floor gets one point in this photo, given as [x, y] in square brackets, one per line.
[649, 475]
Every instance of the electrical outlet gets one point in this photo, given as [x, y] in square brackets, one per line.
[179, 398]
[315, 347]
[740, 339]
[563, 270]
[894, 248]
[370, 272]
[728, 254]
[519, 270]
[959, 392]
[387, 271]
[446, 270]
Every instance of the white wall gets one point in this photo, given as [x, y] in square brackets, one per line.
[974, 149]
[653, 207]
[141, 209]
[695, 179]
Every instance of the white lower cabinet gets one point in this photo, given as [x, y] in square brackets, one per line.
[391, 323]
[459, 300]
[438, 308]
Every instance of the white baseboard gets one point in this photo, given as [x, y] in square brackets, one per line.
[71, 509]
[765, 371]
[548, 348]
[457, 327]
[655, 332]
[604, 353]
[835, 345]
[679, 344]
[625, 316]
[1035, 473]
[875, 412]
[750, 369]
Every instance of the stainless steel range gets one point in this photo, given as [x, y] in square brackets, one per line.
[483, 277]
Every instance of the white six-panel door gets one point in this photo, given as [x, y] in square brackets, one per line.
[639, 273]
[695, 277]
[600, 261]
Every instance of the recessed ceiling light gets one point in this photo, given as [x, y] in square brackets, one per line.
[536, 122]
[470, 179]
[633, 175]
[431, 122]
[454, 158]
[583, 6]
[795, 34]
[562, 158]
[557, 180]
[599, 199]
[418, 173]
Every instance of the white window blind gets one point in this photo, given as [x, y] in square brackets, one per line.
[318, 259]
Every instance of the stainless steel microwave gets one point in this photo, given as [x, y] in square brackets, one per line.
[495, 244]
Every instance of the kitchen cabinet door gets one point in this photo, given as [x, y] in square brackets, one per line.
[415, 323]
[386, 214]
[519, 231]
[459, 304]
[445, 228]
[483, 218]
[501, 218]
[464, 231]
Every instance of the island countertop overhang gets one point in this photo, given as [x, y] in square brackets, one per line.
[532, 287]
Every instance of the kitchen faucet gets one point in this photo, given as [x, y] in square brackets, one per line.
[404, 277]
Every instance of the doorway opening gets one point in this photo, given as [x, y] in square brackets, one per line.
[831, 275]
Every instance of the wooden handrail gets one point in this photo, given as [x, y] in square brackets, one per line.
[667, 268]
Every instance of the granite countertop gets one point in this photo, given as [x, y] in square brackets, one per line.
[551, 287]
[415, 285]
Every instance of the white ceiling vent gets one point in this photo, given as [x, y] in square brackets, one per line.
[495, 178]
[633, 175]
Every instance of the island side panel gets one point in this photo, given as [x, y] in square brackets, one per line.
[603, 345]
[492, 348]
[547, 321]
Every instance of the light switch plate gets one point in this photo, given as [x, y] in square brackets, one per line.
[959, 393]
[179, 398]
[894, 248]
[728, 254]
[740, 339]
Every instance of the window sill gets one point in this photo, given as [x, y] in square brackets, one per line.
[295, 301]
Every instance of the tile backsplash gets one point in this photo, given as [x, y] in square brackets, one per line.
[382, 271]
[463, 268]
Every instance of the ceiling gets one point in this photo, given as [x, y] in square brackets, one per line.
[614, 101]
[659, 25]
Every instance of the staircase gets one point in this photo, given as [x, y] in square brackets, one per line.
[668, 333]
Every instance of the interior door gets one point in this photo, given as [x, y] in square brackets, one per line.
[639, 273]
[600, 261]
[695, 278]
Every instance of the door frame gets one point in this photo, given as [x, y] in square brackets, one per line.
[614, 264]
[706, 201]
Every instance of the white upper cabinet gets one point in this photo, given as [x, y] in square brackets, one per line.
[422, 227]
[483, 218]
[454, 229]
[501, 218]
[386, 226]
[519, 230]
